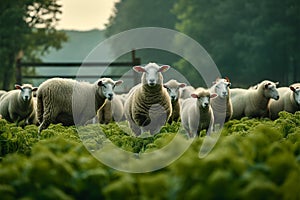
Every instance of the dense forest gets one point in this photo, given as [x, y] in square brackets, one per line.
[248, 40]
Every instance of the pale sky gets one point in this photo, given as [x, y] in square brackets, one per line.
[85, 14]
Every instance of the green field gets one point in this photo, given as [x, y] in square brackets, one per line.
[253, 159]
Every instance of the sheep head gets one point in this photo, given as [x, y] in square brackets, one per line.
[172, 87]
[270, 90]
[203, 96]
[296, 92]
[26, 91]
[151, 74]
[221, 87]
[107, 86]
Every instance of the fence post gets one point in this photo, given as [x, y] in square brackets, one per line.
[19, 71]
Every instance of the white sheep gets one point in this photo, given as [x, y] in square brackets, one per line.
[17, 105]
[71, 102]
[221, 105]
[148, 106]
[289, 101]
[196, 112]
[253, 102]
[172, 87]
[111, 111]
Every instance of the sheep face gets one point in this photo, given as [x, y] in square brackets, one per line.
[270, 90]
[222, 87]
[151, 73]
[26, 91]
[204, 98]
[296, 92]
[172, 88]
[106, 87]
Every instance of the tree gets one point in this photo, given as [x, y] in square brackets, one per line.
[248, 40]
[129, 14]
[26, 26]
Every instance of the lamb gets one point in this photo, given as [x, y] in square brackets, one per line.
[71, 102]
[172, 87]
[221, 105]
[196, 113]
[17, 105]
[111, 111]
[289, 101]
[253, 102]
[148, 106]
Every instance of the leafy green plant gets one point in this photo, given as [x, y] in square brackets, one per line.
[254, 158]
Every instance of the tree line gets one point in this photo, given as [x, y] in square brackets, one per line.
[248, 40]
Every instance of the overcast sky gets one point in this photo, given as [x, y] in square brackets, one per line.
[85, 14]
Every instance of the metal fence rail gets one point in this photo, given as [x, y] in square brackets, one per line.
[20, 65]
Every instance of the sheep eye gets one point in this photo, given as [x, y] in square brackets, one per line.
[104, 86]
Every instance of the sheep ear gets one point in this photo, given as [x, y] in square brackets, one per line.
[182, 85]
[194, 95]
[165, 86]
[139, 69]
[267, 85]
[163, 68]
[100, 83]
[34, 89]
[227, 79]
[277, 83]
[19, 87]
[229, 84]
[119, 82]
[292, 88]
[213, 95]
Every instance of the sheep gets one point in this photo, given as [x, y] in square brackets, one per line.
[253, 102]
[111, 111]
[2, 92]
[172, 87]
[148, 106]
[71, 102]
[17, 105]
[196, 112]
[289, 101]
[221, 105]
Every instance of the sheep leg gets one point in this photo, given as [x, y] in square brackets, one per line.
[47, 120]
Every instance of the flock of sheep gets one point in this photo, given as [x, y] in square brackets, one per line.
[148, 105]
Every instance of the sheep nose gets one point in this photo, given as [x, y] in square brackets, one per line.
[173, 97]
[110, 96]
[277, 97]
[151, 81]
[26, 98]
[205, 104]
[225, 93]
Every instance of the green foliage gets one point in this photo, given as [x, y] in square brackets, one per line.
[26, 27]
[245, 37]
[254, 158]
